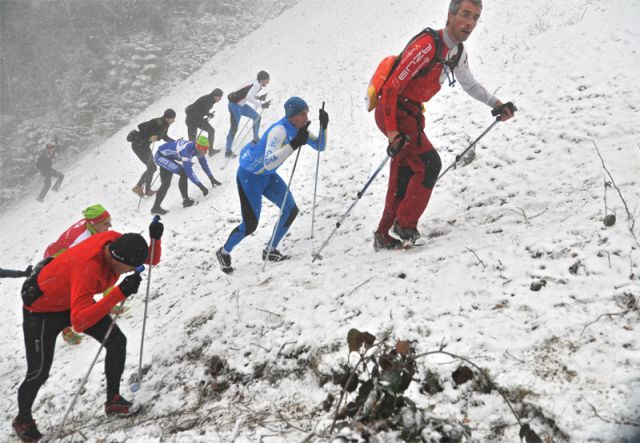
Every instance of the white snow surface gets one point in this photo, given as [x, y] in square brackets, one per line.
[529, 206]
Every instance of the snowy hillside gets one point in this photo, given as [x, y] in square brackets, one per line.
[526, 213]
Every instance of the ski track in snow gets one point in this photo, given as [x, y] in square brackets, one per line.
[529, 206]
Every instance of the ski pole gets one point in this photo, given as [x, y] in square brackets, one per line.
[136, 386]
[138, 270]
[459, 156]
[497, 113]
[284, 200]
[392, 151]
[317, 255]
[315, 186]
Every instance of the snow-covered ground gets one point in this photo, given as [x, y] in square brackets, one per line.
[528, 208]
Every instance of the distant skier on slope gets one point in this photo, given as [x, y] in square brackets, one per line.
[414, 171]
[44, 163]
[243, 103]
[176, 157]
[60, 293]
[96, 220]
[198, 115]
[257, 177]
[147, 133]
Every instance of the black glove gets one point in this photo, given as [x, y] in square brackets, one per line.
[324, 119]
[204, 190]
[130, 284]
[301, 137]
[501, 109]
[156, 228]
[27, 272]
[262, 97]
[398, 143]
[265, 105]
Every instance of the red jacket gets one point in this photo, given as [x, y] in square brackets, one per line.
[71, 280]
[401, 83]
[69, 238]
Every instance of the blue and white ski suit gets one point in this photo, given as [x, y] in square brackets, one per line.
[257, 177]
[176, 157]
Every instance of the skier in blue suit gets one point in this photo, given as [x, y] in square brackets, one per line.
[176, 157]
[257, 176]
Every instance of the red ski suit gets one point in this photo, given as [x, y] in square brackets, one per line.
[411, 176]
[70, 281]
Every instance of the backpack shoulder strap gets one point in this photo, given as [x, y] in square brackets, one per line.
[438, 57]
[438, 42]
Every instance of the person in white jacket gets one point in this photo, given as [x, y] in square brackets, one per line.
[243, 102]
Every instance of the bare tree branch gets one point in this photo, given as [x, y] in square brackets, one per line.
[479, 259]
[630, 217]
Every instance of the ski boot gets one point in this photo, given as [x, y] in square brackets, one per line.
[409, 235]
[188, 202]
[26, 431]
[119, 406]
[225, 261]
[138, 191]
[385, 241]
[158, 210]
[273, 255]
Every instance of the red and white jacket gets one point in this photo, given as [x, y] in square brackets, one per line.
[77, 233]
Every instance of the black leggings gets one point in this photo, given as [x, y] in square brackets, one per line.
[192, 131]
[165, 182]
[40, 333]
[143, 151]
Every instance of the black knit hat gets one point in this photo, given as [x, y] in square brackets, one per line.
[263, 75]
[217, 92]
[130, 249]
[169, 113]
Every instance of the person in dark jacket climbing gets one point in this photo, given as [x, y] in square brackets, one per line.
[149, 132]
[198, 115]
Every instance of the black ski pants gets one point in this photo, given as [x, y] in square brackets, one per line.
[143, 151]
[165, 182]
[40, 333]
[192, 131]
[47, 182]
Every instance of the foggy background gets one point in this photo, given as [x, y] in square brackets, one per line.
[76, 71]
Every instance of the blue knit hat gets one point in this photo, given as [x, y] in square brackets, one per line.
[294, 106]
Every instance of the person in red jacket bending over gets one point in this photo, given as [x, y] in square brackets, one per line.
[418, 76]
[60, 293]
[96, 219]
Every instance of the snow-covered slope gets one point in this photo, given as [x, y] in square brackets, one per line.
[527, 208]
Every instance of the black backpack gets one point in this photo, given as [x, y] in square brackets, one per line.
[133, 136]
